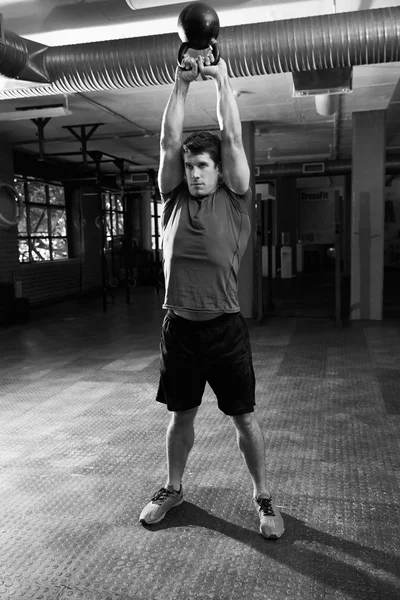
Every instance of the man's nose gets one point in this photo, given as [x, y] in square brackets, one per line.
[195, 172]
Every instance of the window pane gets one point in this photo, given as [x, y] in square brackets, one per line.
[153, 229]
[108, 224]
[22, 227]
[119, 205]
[120, 224]
[60, 248]
[36, 192]
[19, 186]
[58, 225]
[56, 194]
[113, 222]
[40, 249]
[106, 200]
[23, 250]
[38, 217]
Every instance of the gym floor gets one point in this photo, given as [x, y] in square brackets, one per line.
[82, 450]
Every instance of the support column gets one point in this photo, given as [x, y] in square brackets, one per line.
[368, 211]
[146, 219]
[9, 254]
[247, 270]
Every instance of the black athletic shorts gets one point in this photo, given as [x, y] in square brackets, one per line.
[216, 351]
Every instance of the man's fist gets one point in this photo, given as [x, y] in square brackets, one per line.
[189, 69]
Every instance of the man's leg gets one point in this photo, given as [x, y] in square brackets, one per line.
[251, 443]
[179, 442]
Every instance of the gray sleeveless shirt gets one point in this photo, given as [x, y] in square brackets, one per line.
[203, 242]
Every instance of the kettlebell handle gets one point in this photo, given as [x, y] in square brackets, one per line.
[185, 47]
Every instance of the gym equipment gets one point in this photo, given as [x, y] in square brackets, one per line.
[198, 28]
[10, 206]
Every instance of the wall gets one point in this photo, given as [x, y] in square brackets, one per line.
[9, 264]
[45, 282]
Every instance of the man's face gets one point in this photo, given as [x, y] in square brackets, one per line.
[201, 174]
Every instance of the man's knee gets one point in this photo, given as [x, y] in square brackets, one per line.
[184, 417]
[245, 422]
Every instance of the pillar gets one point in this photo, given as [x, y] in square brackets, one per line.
[368, 210]
[146, 200]
[287, 210]
[9, 253]
[247, 270]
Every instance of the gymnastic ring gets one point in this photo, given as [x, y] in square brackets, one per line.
[7, 223]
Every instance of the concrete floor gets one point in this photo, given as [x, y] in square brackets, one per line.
[82, 451]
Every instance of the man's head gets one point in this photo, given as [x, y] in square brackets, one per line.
[201, 153]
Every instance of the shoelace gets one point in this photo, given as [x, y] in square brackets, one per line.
[161, 495]
[266, 507]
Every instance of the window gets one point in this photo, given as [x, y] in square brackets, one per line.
[114, 220]
[42, 229]
[153, 223]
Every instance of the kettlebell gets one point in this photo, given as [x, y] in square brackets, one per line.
[198, 28]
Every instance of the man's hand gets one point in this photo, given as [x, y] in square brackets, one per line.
[207, 69]
[189, 71]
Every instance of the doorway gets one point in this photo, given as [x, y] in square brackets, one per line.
[391, 281]
[314, 285]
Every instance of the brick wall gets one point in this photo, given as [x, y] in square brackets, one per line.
[50, 281]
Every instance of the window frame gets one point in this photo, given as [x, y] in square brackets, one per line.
[48, 207]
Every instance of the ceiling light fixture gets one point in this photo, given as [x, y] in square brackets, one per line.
[33, 111]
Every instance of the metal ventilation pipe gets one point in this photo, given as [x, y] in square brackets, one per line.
[333, 167]
[22, 59]
[311, 43]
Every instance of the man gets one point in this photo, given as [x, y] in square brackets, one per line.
[204, 336]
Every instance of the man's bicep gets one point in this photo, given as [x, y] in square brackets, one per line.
[170, 172]
[235, 168]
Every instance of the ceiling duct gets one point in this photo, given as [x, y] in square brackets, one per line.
[331, 167]
[291, 45]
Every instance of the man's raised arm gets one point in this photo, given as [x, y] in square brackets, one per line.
[171, 172]
[235, 168]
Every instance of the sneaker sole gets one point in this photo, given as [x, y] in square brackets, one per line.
[144, 522]
[271, 537]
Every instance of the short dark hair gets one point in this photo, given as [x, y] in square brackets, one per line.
[203, 141]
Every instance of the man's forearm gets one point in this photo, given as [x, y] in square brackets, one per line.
[227, 110]
[174, 114]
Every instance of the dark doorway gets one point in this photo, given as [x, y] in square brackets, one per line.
[391, 281]
[314, 288]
